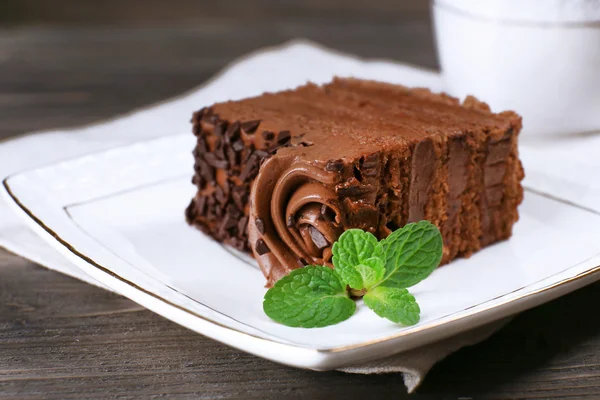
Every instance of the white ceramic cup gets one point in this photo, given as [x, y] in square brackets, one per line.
[540, 58]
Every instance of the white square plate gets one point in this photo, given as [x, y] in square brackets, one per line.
[119, 216]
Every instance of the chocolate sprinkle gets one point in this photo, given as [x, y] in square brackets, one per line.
[261, 247]
[260, 225]
[334, 166]
[250, 126]
[317, 238]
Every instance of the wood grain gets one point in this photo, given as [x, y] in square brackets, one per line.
[70, 62]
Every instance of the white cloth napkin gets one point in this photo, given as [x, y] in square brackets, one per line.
[269, 70]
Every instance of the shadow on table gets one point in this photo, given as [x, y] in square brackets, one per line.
[539, 351]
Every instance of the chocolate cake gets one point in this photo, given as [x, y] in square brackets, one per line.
[282, 175]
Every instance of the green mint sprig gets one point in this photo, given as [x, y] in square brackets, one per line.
[317, 296]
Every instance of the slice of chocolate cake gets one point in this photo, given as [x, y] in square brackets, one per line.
[284, 174]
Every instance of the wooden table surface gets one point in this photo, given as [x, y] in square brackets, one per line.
[71, 62]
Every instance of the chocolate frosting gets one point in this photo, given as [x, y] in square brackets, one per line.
[291, 198]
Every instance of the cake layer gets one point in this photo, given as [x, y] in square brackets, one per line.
[284, 174]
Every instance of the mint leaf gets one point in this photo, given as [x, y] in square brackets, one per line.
[371, 272]
[350, 276]
[309, 297]
[395, 304]
[411, 254]
[354, 247]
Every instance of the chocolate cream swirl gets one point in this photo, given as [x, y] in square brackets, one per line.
[295, 216]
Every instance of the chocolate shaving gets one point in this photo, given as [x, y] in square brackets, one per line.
[237, 146]
[236, 243]
[201, 147]
[213, 119]
[233, 132]
[283, 137]
[250, 126]
[207, 172]
[241, 226]
[249, 152]
[219, 128]
[290, 221]
[213, 161]
[210, 201]
[197, 116]
[228, 222]
[260, 225]
[317, 238]
[261, 153]
[197, 129]
[219, 149]
[239, 194]
[200, 204]
[334, 166]
[234, 211]
[231, 156]
[190, 213]
[220, 195]
[218, 211]
[261, 247]
[250, 169]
